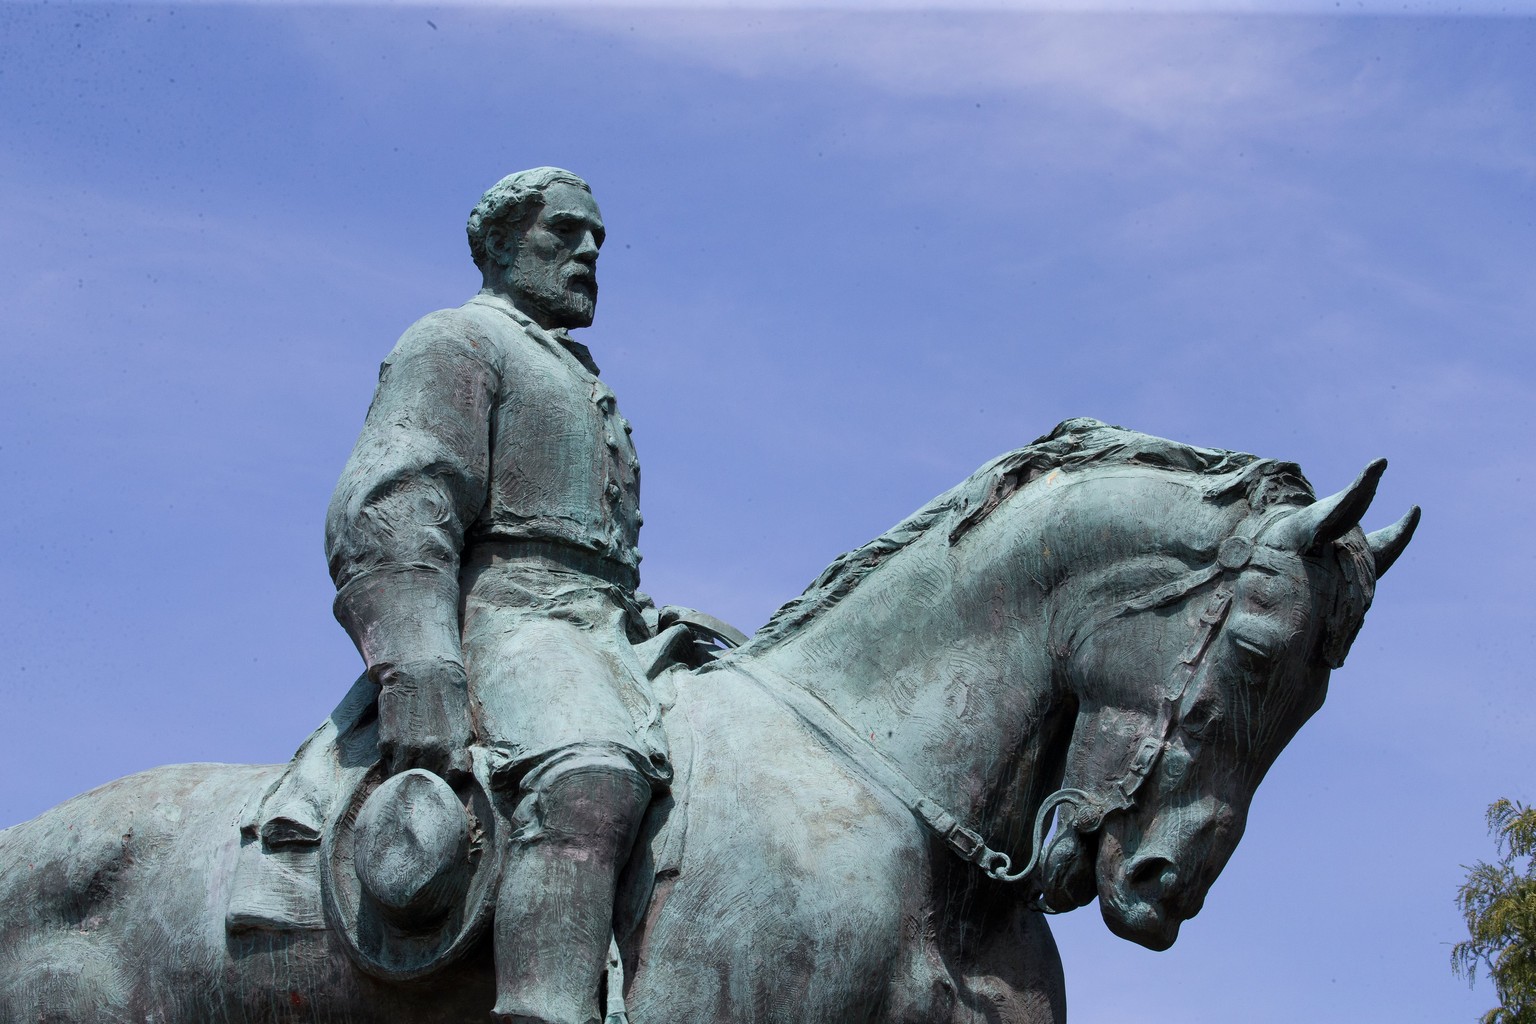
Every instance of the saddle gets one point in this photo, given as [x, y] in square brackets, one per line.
[296, 868]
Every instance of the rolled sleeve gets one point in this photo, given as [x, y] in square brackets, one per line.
[415, 481]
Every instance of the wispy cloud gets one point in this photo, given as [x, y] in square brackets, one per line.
[1151, 85]
[1158, 71]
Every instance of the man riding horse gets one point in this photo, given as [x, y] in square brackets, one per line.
[482, 539]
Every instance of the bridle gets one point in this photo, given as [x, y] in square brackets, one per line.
[1235, 555]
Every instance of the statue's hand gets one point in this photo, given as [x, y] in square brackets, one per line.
[424, 717]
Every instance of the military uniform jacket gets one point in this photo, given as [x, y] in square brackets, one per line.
[484, 426]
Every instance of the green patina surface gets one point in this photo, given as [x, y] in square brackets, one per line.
[1060, 681]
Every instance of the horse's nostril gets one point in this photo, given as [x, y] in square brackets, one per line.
[1151, 872]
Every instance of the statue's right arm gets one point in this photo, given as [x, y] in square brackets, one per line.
[395, 530]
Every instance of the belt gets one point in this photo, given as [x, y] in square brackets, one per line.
[552, 554]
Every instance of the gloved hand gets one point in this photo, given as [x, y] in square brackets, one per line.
[424, 717]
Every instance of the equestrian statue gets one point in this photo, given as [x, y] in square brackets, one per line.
[548, 801]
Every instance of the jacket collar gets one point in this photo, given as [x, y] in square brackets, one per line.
[559, 337]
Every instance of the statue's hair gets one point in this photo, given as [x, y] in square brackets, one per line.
[1074, 443]
[512, 202]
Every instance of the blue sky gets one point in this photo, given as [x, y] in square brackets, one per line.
[851, 256]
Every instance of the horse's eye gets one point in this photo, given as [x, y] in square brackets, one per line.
[1176, 762]
[1199, 717]
[1250, 647]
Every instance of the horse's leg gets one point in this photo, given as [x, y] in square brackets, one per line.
[797, 883]
[1011, 974]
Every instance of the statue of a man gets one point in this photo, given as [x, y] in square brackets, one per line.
[483, 543]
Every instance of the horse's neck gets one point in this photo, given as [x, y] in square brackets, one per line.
[941, 658]
[945, 674]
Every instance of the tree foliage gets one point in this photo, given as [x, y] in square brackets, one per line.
[1498, 900]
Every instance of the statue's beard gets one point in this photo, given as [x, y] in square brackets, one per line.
[557, 295]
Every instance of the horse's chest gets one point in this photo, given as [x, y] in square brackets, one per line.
[921, 988]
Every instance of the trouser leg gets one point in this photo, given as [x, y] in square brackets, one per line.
[577, 821]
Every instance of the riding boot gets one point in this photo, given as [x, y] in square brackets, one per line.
[577, 822]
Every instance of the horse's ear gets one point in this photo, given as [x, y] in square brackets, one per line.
[1386, 544]
[1329, 519]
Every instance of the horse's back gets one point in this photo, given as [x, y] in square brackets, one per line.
[127, 874]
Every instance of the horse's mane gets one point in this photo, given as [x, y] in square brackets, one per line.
[1073, 444]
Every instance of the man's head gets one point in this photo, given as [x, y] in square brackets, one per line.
[535, 235]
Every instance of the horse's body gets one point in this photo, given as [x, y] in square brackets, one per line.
[113, 905]
[987, 651]
[118, 896]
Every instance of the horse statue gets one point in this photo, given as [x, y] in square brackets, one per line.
[1062, 679]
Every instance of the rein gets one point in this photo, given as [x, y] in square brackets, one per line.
[837, 735]
[1234, 555]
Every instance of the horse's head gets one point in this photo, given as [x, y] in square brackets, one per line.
[1190, 682]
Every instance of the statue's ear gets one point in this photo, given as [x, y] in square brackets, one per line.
[500, 244]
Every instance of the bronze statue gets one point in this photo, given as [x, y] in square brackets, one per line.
[1061, 680]
[483, 540]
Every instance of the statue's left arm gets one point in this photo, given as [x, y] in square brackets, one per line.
[395, 532]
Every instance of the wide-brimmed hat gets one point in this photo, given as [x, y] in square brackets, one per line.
[409, 871]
